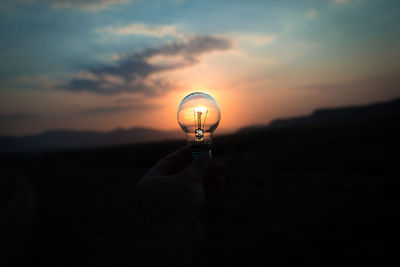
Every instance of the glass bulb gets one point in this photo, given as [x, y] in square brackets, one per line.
[199, 116]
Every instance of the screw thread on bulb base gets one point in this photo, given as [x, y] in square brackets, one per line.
[200, 150]
[200, 146]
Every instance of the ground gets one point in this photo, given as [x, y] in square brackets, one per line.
[318, 195]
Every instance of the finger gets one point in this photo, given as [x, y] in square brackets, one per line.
[198, 169]
[216, 169]
[215, 186]
[172, 163]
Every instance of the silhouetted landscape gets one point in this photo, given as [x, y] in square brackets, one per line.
[320, 190]
[69, 139]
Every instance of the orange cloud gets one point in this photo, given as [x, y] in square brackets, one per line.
[144, 29]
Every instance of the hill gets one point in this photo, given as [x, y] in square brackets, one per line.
[68, 139]
[341, 115]
[345, 114]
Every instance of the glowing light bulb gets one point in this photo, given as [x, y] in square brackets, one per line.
[199, 116]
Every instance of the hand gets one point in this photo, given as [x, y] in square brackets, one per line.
[170, 203]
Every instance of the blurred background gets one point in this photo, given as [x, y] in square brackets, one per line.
[309, 93]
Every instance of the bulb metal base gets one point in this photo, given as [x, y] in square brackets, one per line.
[201, 150]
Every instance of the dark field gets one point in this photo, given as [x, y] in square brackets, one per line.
[321, 195]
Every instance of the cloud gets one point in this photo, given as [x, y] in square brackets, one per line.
[135, 73]
[125, 100]
[85, 5]
[161, 31]
[144, 29]
[172, 31]
[117, 109]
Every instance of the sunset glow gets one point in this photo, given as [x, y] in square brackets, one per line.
[130, 64]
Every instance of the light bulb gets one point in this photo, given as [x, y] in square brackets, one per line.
[199, 116]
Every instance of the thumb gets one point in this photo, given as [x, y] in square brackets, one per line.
[199, 167]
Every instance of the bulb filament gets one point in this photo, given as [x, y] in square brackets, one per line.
[199, 129]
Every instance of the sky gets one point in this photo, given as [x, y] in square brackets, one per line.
[106, 64]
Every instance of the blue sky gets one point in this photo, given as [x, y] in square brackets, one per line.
[103, 64]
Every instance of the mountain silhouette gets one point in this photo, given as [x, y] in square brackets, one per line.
[345, 114]
[69, 139]
[341, 115]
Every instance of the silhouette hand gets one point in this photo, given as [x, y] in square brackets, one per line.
[170, 203]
